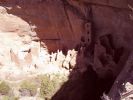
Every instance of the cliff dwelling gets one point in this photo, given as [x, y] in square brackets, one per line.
[66, 50]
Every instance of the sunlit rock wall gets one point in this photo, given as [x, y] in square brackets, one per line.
[54, 23]
[104, 27]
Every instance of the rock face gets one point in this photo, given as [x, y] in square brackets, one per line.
[56, 21]
[81, 33]
[22, 51]
[51, 20]
[103, 27]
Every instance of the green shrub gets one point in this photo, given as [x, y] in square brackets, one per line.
[4, 88]
[6, 98]
[28, 86]
[10, 98]
[16, 98]
[46, 86]
[50, 85]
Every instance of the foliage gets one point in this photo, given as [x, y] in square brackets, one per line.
[10, 98]
[16, 98]
[49, 85]
[4, 88]
[6, 98]
[29, 86]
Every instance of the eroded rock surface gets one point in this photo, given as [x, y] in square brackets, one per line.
[64, 36]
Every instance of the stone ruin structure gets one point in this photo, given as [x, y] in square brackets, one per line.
[36, 35]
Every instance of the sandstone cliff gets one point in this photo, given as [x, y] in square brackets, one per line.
[71, 35]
